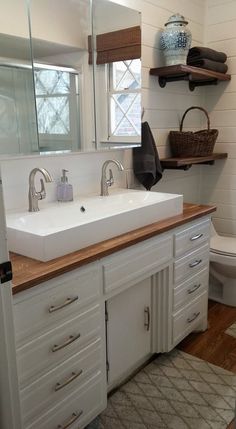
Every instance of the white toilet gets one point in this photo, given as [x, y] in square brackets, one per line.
[222, 287]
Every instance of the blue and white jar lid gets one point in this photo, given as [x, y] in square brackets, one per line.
[176, 19]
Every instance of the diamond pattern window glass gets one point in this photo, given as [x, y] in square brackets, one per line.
[53, 94]
[53, 115]
[52, 82]
[125, 98]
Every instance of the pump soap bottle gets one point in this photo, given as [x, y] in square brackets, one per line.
[64, 189]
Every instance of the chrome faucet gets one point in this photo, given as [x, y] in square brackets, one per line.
[35, 196]
[108, 182]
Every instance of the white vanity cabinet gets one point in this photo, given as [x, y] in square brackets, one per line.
[170, 297]
[130, 286]
[60, 340]
[190, 279]
[85, 331]
[128, 318]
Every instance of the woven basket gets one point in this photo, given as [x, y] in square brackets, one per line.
[189, 143]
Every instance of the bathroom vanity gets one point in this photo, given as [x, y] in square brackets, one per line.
[85, 321]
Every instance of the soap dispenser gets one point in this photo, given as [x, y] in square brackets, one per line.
[64, 189]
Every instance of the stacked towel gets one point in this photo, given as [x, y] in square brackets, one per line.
[146, 163]
[208, 59]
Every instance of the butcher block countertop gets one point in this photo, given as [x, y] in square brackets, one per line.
[28, 272]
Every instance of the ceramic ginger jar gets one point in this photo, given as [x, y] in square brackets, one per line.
[176, 40]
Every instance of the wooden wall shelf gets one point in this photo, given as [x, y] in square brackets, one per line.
[194, 75]
[186, 163]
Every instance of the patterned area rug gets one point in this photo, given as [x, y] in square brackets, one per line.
[175, 391]
[231, 330]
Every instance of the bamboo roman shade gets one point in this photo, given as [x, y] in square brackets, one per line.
[117, 45]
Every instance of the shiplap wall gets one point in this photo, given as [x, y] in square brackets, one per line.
[219, 182]
[163, 111]
[165, 106]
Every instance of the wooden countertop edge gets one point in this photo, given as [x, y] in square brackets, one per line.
[29, 272]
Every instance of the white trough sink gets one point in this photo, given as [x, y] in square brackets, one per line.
[61, 228]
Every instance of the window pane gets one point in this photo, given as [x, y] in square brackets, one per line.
[51, 82]
[125, 114]
[135, 68]
[53, 115]
[126, 74]
[134, 113]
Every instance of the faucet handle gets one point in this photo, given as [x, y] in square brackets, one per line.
[42, 192]
[110, 181]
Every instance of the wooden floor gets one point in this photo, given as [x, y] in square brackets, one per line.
[232, 425]
[214, 345]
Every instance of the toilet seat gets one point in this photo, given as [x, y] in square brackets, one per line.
[225, 246]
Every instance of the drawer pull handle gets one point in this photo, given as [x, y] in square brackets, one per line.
[195, 263]
[147, 318]
[196, 237]
[70, 340]
[67, 302]
[195, 287]
[74, 417]
[74, 375]
[195, 315]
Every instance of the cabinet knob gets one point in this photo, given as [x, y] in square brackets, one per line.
[74, 375]
[75, 416]
[196, 237]
[195, 263]
[194, 288]
[195, 315]
[64, 304]
[70, 340]
[147, 318]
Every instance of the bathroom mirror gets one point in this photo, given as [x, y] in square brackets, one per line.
[117, 64]
[18, 127]
[63, 75]
[72, 114]
[56, 108]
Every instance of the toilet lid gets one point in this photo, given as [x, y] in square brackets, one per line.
[223, 245]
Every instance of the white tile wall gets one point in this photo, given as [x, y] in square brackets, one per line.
[84, 174]
[220, 181]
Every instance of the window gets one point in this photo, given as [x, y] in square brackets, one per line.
[57, 107]
[124, 99]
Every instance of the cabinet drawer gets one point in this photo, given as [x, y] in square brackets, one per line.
[128, 265]
[191, 264]
[189, 318]
[55, 301]
[79, 408]
[190, 289]
[40, 396]
[44, 353]
[190, 238]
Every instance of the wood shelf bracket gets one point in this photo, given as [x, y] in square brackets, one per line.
[186, 163]
[194, 75]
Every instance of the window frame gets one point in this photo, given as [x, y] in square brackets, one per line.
[74, 100]
[112, 91]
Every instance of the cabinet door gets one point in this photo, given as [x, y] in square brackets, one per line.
[128, 330]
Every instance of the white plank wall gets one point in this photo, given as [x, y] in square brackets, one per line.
[163, 111]
[219, 182]
[164, 107]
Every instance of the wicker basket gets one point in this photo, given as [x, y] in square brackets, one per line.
[189, 143]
